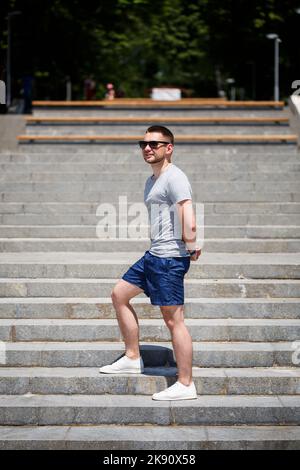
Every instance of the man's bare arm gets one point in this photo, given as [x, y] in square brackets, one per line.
[187, 220]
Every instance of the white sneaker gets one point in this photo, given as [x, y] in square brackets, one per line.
[178, 391]
[125, 365]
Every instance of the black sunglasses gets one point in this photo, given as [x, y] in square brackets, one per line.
[153, 144]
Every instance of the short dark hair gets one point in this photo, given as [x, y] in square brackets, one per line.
[163, 130]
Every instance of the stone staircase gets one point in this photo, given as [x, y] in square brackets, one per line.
[242, 295]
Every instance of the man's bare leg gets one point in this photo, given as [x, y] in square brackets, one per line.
[126, 316]
[181, 340]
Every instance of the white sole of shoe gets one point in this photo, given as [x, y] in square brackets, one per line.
[174, 399]
[121, 372]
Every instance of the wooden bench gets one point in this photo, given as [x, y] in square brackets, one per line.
[137, 120]
[148, 103]
[126, 101]
[284, 138]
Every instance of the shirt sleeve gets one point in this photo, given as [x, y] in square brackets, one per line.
[179, 188]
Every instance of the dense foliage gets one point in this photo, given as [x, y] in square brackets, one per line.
[138, 44]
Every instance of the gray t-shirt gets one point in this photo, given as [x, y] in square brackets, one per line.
[160, 196]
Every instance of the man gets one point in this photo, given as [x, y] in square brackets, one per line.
[160, 272]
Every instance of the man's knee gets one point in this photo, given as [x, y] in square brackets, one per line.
[170, 323]
[121, 293]
[116, 295]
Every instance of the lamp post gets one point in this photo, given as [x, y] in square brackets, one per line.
[253, 78]
[8, 63]
[277, 40]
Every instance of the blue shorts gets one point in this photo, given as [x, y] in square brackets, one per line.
[160, 278]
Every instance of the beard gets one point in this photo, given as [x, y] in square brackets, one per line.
[157, 160]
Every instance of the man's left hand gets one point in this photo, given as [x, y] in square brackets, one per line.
[196, 255]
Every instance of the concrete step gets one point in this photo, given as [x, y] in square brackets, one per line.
[113, 265]
[101, 219]
[51, 354]
[97, 354]
[235, 245]
[197, 138]
[182, 148]
[108, 154]
[167, 112]
[134, 166]
[145, 120]
[211, 231]
[87, 380]
[78, 287]
[97, 308]
[209, 208]
[138, 409]
[150, 437]
[164, 115]
[124, 177]
[72, 330]
[231, 196]
[261, 333]
[127, 187]
[181, 129]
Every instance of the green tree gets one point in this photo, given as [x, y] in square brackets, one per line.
[138, 44]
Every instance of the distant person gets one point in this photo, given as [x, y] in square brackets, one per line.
[89, 89]
[2, 95]
[110, 93]
[27, 82]
[68, 88]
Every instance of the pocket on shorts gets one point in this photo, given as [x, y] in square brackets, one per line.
[180, 265]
